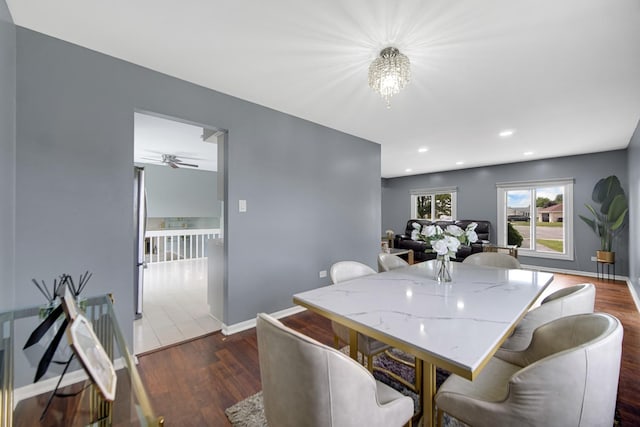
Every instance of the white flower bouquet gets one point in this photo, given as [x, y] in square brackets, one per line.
[445, 242]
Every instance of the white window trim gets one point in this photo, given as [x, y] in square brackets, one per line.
[502, 189]
[433, 191]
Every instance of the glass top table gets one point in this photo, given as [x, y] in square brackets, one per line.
[77, 402]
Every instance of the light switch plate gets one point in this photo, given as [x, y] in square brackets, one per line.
[242, 205]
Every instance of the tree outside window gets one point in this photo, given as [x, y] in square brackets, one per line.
[424, 207]
[443, 206]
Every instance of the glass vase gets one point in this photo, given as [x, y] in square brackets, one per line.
[443, 269]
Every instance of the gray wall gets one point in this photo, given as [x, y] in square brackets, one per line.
[313, 193]
[7, 155]
[313, 198]
[477, 198]
[633, 160]
[181, 192]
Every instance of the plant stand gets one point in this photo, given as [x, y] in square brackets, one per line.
[600, 267]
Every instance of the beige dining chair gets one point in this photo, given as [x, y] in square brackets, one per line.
[341, 272]
[388, 262]
[306, 383]
[576, 299]
[567, 376]
[492, 259]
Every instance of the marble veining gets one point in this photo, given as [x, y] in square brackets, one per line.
[458, 322]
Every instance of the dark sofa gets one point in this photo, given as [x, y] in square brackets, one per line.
[403, 241]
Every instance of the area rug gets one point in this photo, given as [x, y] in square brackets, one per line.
[389, 364]
[250, 412]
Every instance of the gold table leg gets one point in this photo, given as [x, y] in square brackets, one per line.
[428, 393]
[353, 344]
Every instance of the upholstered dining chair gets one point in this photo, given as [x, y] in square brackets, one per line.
[567, 376]
[306, 383]
[388, 262]
[576, 299]
[341, 272]
[492, 259]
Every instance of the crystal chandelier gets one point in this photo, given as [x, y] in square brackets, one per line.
[389, 73]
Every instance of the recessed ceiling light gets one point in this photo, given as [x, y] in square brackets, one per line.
[506, 133]
[528, 153]
[408, 170]
[460, 163]
[423, 150]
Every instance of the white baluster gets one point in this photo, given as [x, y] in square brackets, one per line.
[195, 249]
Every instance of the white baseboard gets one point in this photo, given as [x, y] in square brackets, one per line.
[251, 323]
[562, 270]
[48, 385]
[634, 294]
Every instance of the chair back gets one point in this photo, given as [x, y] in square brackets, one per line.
[306, 383]
[492, 259]
[582, 296]
[571, 371]
[576, 299]
[347, 270]
[388, 262]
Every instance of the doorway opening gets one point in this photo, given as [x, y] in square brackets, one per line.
[180, 228]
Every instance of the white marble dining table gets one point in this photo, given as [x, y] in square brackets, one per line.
[457, 326]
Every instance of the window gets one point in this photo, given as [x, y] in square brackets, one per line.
[433, 204]
[537, 217]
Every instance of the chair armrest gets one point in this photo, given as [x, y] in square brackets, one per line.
[400, 238]
[416, 245]
[477, 247]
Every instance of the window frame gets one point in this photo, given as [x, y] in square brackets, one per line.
[433, 192]
[567, 219]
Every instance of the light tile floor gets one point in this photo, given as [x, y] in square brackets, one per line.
[175, 305]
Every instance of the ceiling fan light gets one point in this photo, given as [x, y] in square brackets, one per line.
[389, 73]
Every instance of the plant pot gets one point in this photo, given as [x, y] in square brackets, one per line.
[606, 256]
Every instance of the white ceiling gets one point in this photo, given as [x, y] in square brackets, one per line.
[155, 136]
[565, 75]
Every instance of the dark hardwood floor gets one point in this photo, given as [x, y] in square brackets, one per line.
[191, 384]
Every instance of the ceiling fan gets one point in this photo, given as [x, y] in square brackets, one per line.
[170, 160]
[175, 162]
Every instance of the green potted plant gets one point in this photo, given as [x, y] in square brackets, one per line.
[608, 217]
